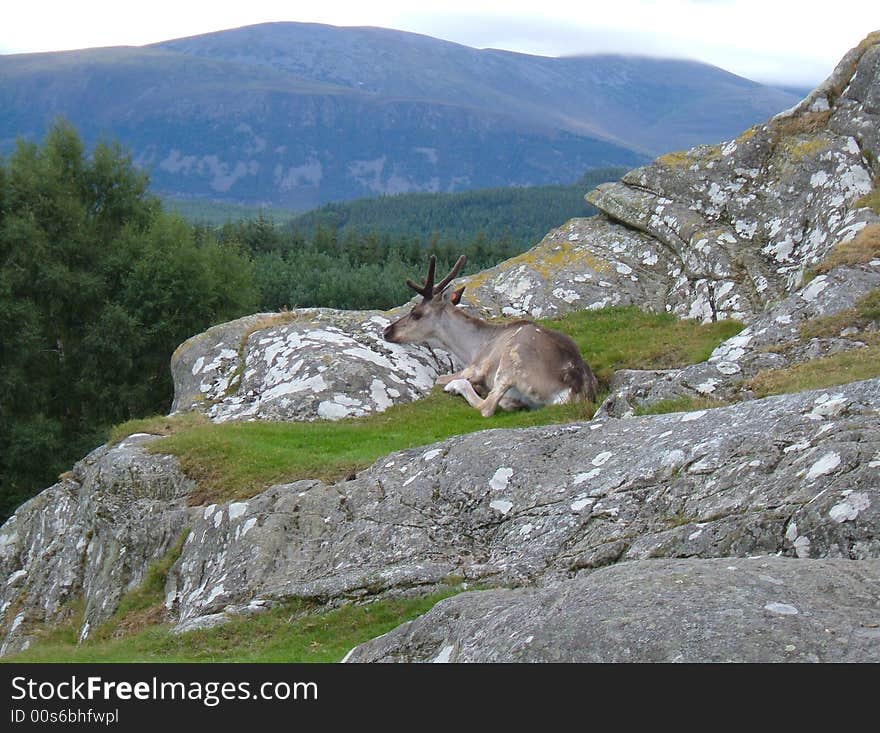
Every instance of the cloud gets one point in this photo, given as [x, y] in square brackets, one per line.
[754, 38]
[535, 35]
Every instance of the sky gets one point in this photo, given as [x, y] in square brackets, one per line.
[773, 41]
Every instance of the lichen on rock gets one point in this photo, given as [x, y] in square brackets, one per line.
[303, 365]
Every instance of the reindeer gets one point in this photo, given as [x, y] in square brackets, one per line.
[515, 364]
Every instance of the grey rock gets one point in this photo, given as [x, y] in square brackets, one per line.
[90, 537]
[795, 474]
[586, 264]
[302, 365]
[772, 340]
[765, 609]
[201, 623]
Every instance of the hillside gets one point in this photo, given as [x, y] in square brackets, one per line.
[523, 214]
[296, 115]
[645, 104]
[723, 510]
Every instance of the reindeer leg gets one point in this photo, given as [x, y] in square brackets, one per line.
[490, 404]
[467, 373]
[445, 379]
[464, 388]
[508, 403]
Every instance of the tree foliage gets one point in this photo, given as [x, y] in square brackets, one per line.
[351, 270]
[523, 214]
[97, 288]
[359, 254]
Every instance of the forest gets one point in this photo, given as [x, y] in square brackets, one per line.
[97, 288]
[99, 284]
[518, 213]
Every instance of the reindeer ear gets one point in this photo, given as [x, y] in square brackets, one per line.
[455, 298]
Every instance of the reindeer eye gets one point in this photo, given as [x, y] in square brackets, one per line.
[415, 315]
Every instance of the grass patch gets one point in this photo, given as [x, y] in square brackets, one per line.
[627, 338]
[829, 371]
[63, 633]
[156, 425]
[236, 460]
[865, 311]
[870, 201]
[863, 248]
[680, 404]
[678, 159]
[143, 606]
[811, 146]
[868, 307]
[293, 631]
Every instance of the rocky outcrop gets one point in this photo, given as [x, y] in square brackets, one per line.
[795, 475]
[303, 365]
[89, 538]
[765, 609]
[716, 231]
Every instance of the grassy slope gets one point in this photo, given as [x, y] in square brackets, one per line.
[829, 371]
[290, 632]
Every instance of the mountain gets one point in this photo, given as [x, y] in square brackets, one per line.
[297, 115]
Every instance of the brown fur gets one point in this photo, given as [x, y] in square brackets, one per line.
[520, 363]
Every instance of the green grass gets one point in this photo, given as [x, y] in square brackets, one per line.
[679, 404]
[236, 460]
[143, 606]
[293, 631]
[865, 311]
[627, 338]
[156, 425]
[871, 200]
[829, 371]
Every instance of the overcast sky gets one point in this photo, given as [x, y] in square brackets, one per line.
[786, 42]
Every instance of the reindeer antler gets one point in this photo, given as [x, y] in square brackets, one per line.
[450, 277]
[427, 289]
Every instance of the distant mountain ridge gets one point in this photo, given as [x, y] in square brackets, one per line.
[296, 115]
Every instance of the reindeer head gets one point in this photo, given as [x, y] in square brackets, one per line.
[421, 323]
